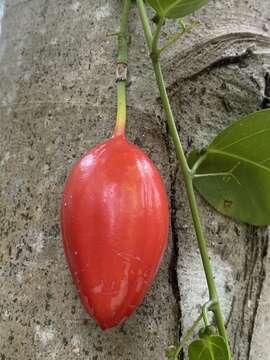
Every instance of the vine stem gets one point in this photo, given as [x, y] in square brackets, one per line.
[152, 42]
[121, 70]
[188, 336]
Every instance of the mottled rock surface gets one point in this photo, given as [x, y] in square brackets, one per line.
[57, 99]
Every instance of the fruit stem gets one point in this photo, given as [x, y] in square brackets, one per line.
[121, 70]
[155, 56]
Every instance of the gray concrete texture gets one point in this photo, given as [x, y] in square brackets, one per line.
[57, 99]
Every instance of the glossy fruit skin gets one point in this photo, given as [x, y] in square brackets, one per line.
[114, 221]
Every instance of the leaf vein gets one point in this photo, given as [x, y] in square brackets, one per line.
[245, 138]
[238, 157]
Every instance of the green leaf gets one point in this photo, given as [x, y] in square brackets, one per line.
[170, 352]
[234, 174]
[210, 348]
[175, 9]
[207, 331]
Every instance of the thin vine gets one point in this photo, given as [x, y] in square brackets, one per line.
[224, 178]
[152, 42]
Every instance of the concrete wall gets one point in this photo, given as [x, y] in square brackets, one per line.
[57, 99]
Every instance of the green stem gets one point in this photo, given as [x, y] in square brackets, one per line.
[188, 336]
[186, 172]
[205, 310]
[178, 35]
[174, 38]
[121, 70]
[123, 33]
[198, 163]
[145, 24]
[156, 36]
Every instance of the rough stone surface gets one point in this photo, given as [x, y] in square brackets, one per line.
[57, 99]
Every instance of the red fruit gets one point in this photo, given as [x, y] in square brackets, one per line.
[114, 218]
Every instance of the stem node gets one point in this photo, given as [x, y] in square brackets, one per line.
[121, 72]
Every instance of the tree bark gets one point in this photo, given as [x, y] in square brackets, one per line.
[57, 99]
